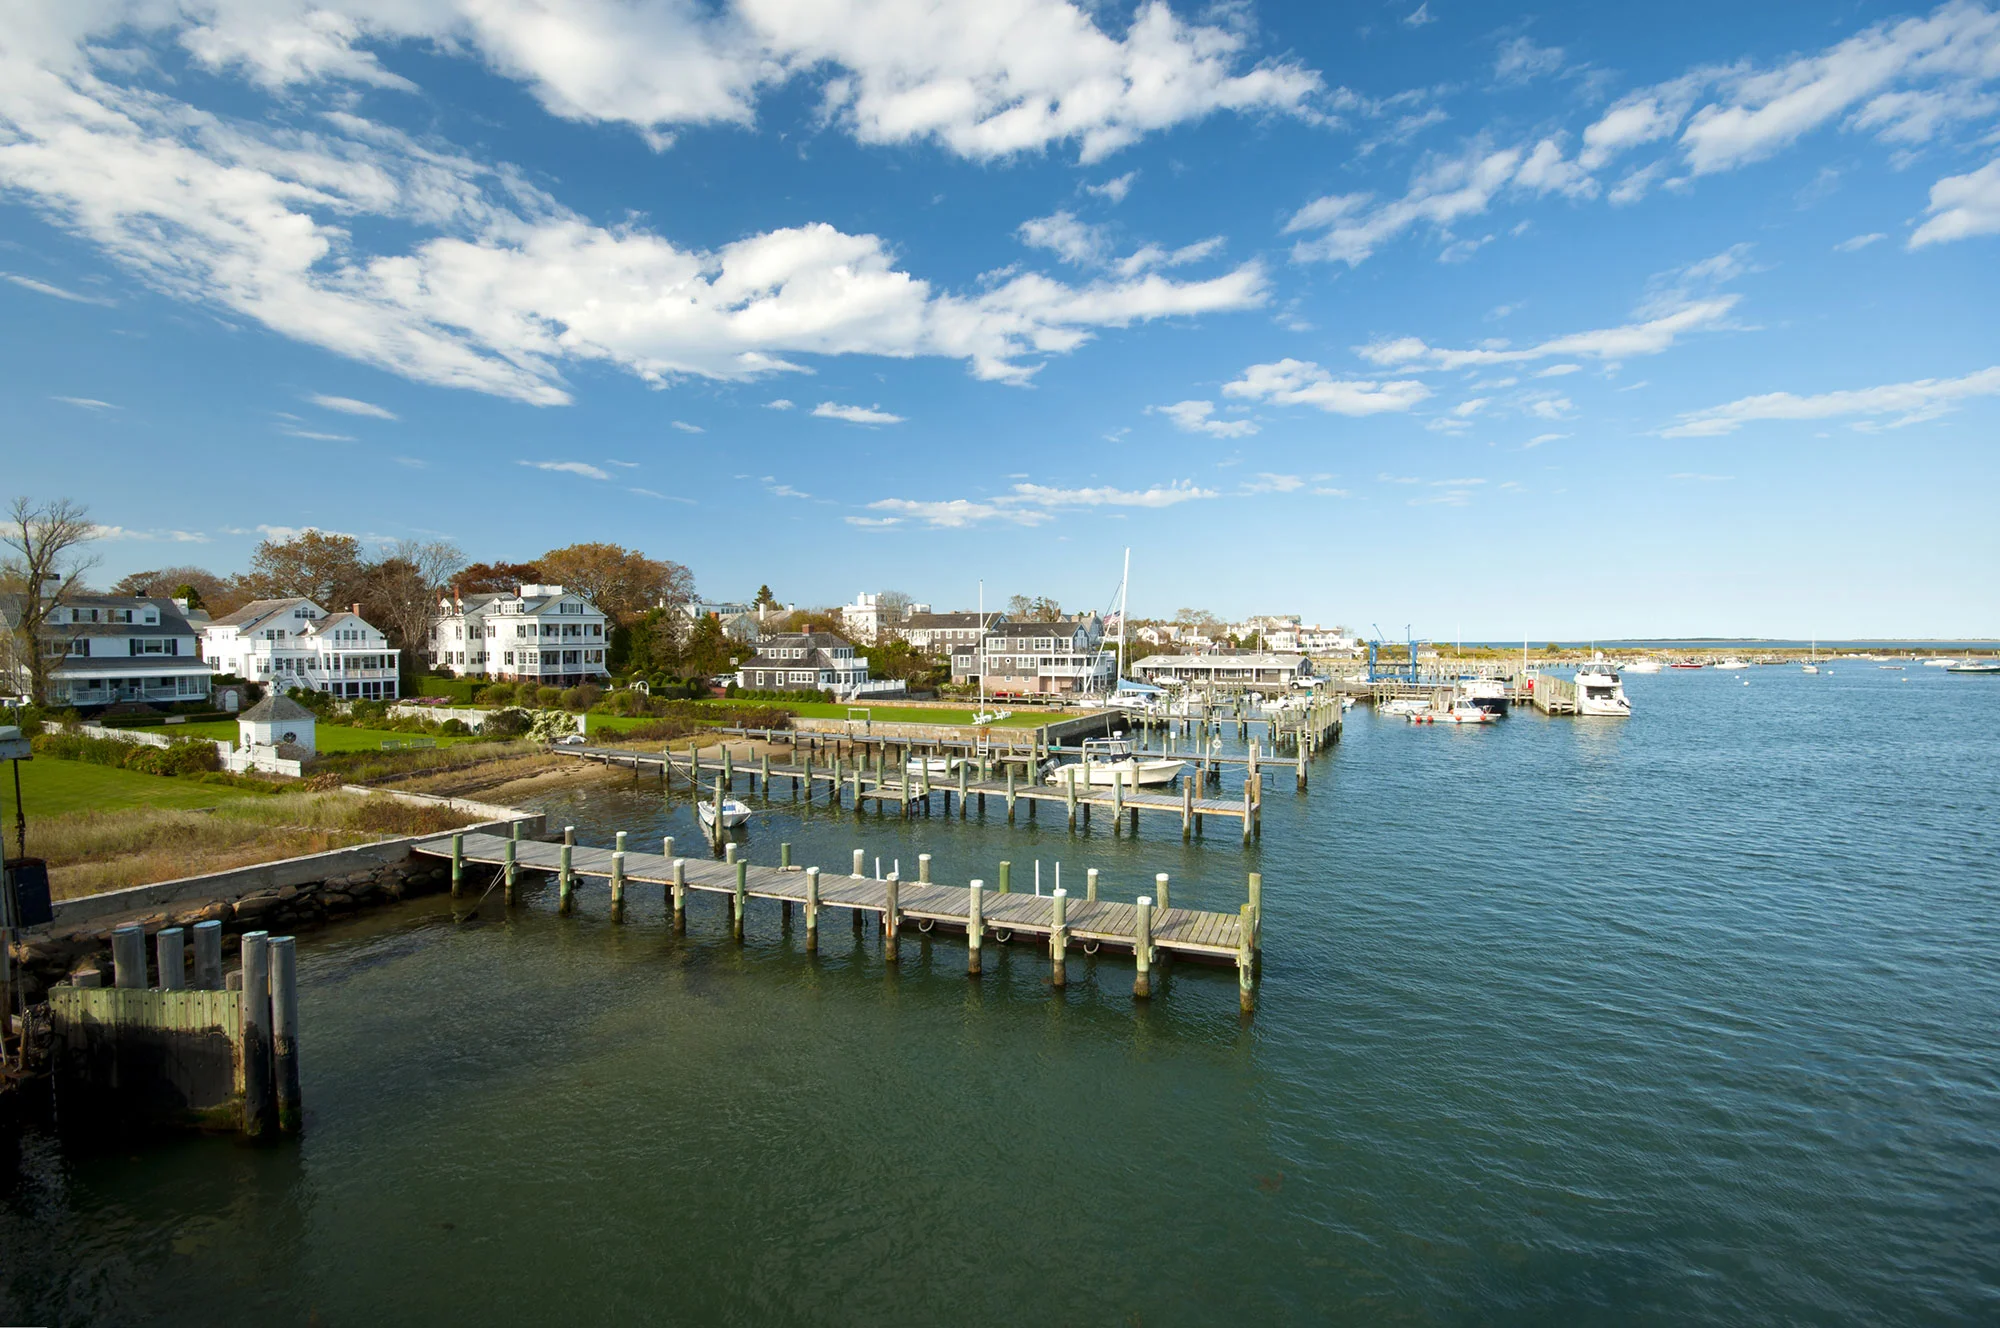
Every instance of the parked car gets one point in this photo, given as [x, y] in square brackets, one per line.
[572, 740]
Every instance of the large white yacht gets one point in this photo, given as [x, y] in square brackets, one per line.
[1599, 692]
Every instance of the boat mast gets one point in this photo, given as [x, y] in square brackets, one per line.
[982, 647]
[1124, 612]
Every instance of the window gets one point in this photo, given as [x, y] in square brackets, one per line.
[508, 657]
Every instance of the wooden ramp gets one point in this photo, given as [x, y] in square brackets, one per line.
[1145, 929]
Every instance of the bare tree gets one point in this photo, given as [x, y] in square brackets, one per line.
[43, 543]
[400, 593]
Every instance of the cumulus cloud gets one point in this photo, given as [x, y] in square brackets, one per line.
[829, 410]
[351, 406]
[1292, 382]
[780, 404]
[1962, 206]
[1912, 402]
[1199, 417]
[500, 289]
[1521, 61]
[1113, 190]
[583, 468]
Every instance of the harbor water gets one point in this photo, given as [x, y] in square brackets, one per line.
[1691, 1017]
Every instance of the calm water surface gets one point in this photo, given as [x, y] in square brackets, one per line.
[1691, 1017]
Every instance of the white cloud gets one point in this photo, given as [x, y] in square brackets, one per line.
[316, 435]
[953, 513]
[44, 288]
[168, 536]
[1467, 409]
[1292, 382]
[1266, 482]
[351, 406]
[1026, 505]
[1551, 408]
[685, 427]
[1198, 417]
[1419, 16]
[87, 403]
[1150, 256]
[1541, 438]
[1858, 242]
[780, 404]
[1557, 370]
[1073, 241]
[1113, 190]
[622, 465]
[501, 288]
[583, 468]
[1923, 399]
[1649, 337]
[1962, 206]
[1168, 495]
[1521, 61]
[828, 410]
[1699, 478]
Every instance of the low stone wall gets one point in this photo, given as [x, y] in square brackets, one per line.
[290, 895]
[473, 719]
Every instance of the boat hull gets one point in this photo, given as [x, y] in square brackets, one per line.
[1132, 774]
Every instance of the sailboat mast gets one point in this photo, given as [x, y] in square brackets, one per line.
[982, 645]
[1124, 612]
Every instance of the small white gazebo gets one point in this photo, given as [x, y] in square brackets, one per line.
[276, 721]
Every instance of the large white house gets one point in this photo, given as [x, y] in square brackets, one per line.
[106, 649]
[294, 642]
[539, 634]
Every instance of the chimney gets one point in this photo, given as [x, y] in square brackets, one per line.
[355, 609]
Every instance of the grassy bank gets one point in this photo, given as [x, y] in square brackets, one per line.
[881, 714]
[53, 787]
[327, 737]
[96, 850]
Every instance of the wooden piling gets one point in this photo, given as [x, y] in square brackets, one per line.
[128, 957]
[1160, 890]
[618, 883]
[508, 869]
[1142, 949]
[1187, 809]
[256, 1008]
[1246, 997]
[1256, 910]
[975, 929]
[892, 920]
[457, 865]
[1006, 872]
[285, 1034]
[923, 869]
[812, 910]
[741, 898]
[860, 864]
[208, 956]
[680, 891]
[1059, 941]
[170, 955]
[1090, 885]
[566, 883]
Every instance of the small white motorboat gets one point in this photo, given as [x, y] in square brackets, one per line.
[1734, 664]
[1109, 761]
[734, 813]
[1643, 666]
[1404, 705]
[937, 765]
[1462, 712]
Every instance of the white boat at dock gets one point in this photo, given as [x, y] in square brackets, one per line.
[1489, 694]
[1111, 761]
[734, 813]
[1461, 712]
[936, 765]
[1987, 667]
[1404, 705]
[1643, 666]
[1599, 691]
[1733, 664]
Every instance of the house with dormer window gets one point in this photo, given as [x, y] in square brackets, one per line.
[107, 649]
[539, 634]
[297, 644]
[804, 661]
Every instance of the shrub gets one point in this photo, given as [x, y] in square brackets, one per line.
[497, 694]
[509, 723]
[548, 725]
[456, 728]
[587, 694]
[546, 696]
[458, 690]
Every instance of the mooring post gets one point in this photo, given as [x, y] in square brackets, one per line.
[892, 919]
[680, 890]
[128, 957]
[1117, 802]
[457, 865]
[618, 884]
[1059, 941]
[1070, 773]
[1256, 911]
[285, 1033]
[812, 910]
[256, 1008]
[860, 864]
[1245, 928]
[1160, 890]
[1142, 949]
[507, 867]
[1187, 809]
[805, 781]
[764, 774]
[975, 929]
[833, 790]
[923, 869]
[729, 853]
[1248, 782]
[728, 769]
[170, 954]
[1090, 885]
[566, 883]
[569, 835]
[961, 788]
[741, 897]
[208, 955]
[1006, 873]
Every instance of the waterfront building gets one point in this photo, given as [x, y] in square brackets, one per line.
[107, 649]
[1039, 658]
[945, 633]
[294, 642]
[1228, 668]
[539, 634]
[862, 620]
[277, 721]
[807, 661]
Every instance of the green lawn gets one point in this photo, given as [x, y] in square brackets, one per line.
[326, 737]
[50, 788]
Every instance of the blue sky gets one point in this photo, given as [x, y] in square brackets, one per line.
[1562, 321]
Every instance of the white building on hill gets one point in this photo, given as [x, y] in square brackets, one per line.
[539, 634]
[294, 642]
[108, 649]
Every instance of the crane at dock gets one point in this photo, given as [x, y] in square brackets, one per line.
[1379, 673]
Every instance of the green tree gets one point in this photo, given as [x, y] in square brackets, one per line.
[764, 598]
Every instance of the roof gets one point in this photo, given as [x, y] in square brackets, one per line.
[1229, 659]
[817, 659]
[275, 708]
[1014, 630]
[320, 625]
[486, 599]
[259, 609]
[942, 621]
[172, 622]
[79, 666]
[818, 640]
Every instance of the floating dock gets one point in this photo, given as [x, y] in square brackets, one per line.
[1148, 928]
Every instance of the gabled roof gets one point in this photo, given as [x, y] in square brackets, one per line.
[818, 640]
[942, 621]
[172, 622]
[257, 610]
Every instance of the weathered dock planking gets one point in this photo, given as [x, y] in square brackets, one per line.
[1148, 928]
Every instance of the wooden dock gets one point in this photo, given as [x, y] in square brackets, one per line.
[890, 782]
[1555, 696]
[1148, 928]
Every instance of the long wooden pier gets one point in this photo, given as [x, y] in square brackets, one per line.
[887, 783]
[1148, 928]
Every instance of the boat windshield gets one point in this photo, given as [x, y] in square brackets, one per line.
[1106, 749]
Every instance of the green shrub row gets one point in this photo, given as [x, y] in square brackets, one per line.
[189, 756]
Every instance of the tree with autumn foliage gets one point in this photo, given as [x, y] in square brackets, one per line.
[623, 583]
